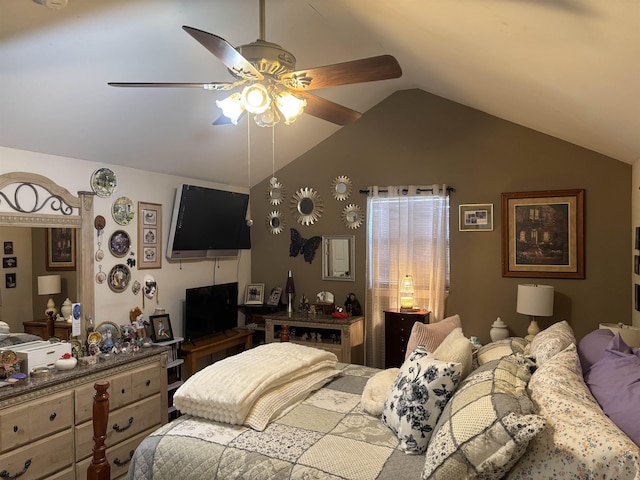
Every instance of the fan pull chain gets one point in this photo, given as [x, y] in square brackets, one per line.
[273, 180]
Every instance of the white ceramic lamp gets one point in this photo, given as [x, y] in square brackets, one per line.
[535, 301]
[49, 285]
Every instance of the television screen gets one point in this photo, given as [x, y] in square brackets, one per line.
[208, 223]
[209, 310]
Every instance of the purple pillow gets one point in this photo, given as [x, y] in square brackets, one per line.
[591, 347]
[614, 381]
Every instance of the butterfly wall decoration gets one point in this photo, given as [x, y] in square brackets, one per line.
[306, 247]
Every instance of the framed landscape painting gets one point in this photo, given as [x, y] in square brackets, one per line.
[543, 234]
[60, 249]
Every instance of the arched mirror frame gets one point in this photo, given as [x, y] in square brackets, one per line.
[82, 220]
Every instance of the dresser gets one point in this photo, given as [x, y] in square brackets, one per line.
[342, 336]
[397, 330]
[46, 428]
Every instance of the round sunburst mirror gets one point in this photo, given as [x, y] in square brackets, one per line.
[275, 224]
[353, 216]
[275, 192]
[341, 187]
[306, 206]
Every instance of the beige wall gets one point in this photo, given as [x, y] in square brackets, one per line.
[418, 138]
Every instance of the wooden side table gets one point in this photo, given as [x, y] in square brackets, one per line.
[397, 330]
[62, 329]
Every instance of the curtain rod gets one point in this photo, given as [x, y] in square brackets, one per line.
[404, 190]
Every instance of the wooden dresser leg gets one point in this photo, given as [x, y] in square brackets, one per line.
[99, 469]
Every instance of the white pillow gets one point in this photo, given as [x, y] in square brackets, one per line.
[551, 341]
[456, 348]
[376, 389]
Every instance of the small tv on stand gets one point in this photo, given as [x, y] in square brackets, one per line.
[210, 310]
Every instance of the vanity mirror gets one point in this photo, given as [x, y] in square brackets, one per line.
[32, 200]
[306, 205]
[338, 257]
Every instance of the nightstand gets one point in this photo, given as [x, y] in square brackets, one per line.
[397, 330]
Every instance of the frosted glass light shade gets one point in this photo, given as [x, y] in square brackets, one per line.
[406, 292]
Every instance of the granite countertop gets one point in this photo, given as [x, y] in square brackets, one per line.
[56, 377]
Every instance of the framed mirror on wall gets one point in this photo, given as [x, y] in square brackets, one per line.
[338, 257]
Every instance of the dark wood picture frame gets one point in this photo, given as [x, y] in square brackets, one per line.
[149, 235]
[60, 249]
[161, 330]
[543, 234]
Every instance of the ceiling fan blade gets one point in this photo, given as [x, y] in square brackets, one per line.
[371, 69]
[328, 110]
[225, 52]
[206, 86]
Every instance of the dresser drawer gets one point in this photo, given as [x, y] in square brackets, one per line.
[40, 459]
[22, 424]
[123, 423]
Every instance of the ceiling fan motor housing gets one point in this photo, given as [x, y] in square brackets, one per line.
[268, 58]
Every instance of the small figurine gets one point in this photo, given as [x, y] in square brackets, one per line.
[352, 305]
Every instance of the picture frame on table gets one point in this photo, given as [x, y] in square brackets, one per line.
[543, 234]
[161, 330]
[476, 217]
[254, 294]
[274, 296]
[60, 244]
[149, 235]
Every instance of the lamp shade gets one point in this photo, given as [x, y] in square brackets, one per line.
[406, 292]
[535, 300]
[49, 285]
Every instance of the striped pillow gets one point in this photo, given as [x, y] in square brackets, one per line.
[431, 335]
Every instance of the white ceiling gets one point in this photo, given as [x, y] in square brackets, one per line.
[568, 68]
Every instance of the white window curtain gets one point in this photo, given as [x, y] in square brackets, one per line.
[407, 234]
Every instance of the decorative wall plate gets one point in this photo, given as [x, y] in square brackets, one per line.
[341, 187]
[306, 206]
[275, 224]
[119, 278]
[119, 243]
[275, 192]
[352, 216]
[108, 330]
[104, 182]
[123, 211]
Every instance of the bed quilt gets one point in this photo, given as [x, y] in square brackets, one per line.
[326, 436]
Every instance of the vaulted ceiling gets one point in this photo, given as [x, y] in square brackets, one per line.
[568, 68]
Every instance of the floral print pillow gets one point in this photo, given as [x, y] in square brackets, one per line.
[419, 393]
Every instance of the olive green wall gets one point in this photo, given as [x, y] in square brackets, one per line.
[413, 137]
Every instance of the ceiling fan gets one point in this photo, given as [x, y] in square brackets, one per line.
[268, 85]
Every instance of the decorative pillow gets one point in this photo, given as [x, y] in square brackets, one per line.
[486, 426]
[614, 381]
[580, 441]
[431, 335]
[422, 388]
[376, 389]
[456, 348]
[591, 347]
[501, 348]
[551, 340]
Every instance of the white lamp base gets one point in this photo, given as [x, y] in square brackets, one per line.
[51, 307]
[533, 330]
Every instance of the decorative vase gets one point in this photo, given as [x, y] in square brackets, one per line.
[499, 330]
[66, 309]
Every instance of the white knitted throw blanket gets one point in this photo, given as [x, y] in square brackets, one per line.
[226, 390]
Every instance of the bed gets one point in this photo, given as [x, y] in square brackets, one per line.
[522, 413]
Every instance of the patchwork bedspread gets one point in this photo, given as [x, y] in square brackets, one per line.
[326, 436]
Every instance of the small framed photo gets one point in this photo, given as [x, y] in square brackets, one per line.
[254, 294]
[161, 328]
[636, 264]
[9, 262]
[10, 280]
[477, 217]
[637, 240]
[8, 248]
[149, 235]
[274, 296]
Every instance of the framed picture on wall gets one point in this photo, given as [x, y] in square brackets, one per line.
[477, 217]
[543, 234]
[149, 235]
[60, 244]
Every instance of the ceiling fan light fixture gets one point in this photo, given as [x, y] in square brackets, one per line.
[290, 106]
[231, 107]
[268, 118]
[255, 98]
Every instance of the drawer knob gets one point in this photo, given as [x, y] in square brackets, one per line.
[120, 429]
[120, 463]
[122, 391]
[52, 417]
[15, 429]
[148, 382]
[6, 474]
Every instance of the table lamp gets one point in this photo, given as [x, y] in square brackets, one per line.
[406, 293]
[49, 285]
[290, 290]
[535, 301]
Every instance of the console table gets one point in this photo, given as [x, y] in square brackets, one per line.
[202, 347]
[342, 336]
